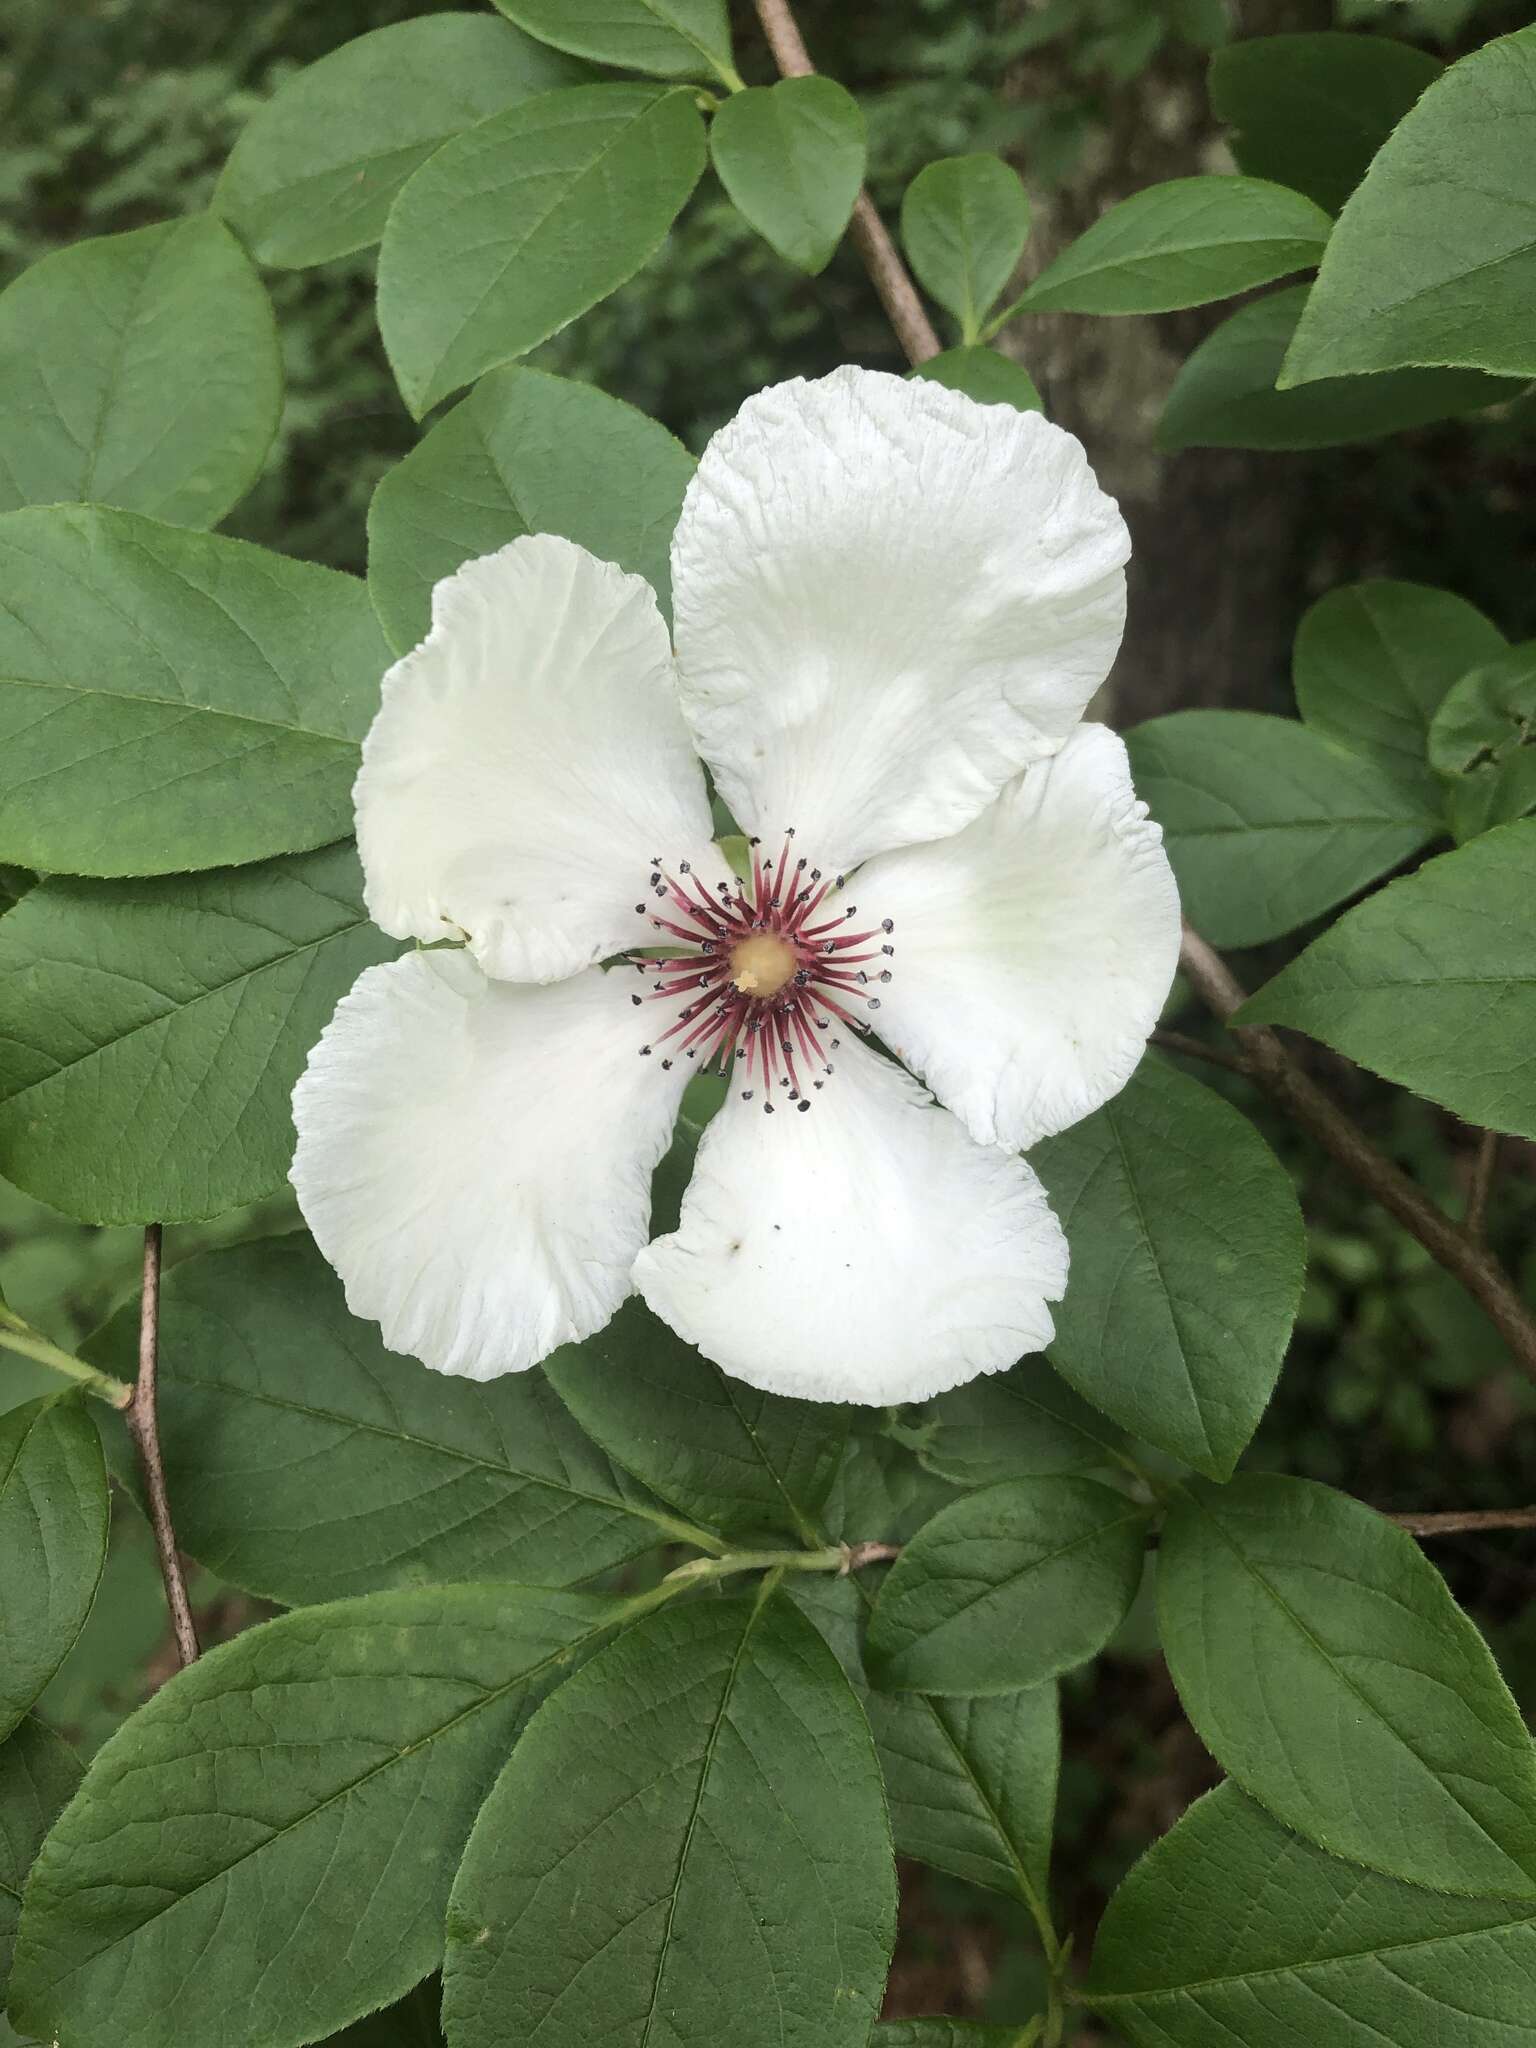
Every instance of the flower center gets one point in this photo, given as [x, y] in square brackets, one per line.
[772, 971]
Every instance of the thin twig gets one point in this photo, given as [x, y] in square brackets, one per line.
[20, 1337]
[1460, 1521]
[144, 1428]
[1485, 1165]
[1342, 1138]
[887, 273]
[1197, 1049]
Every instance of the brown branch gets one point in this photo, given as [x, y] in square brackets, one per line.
[1340, 1136]
[1197, 1049]
[857, 1555]
[1461, 1521]
[143, 1427]
[1484, 1166]
[887, 273]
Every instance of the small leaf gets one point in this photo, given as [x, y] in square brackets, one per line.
[315, 172]
[1324, 1663]
[986, 376]
[739, 1460]
[1484, 737]
[1434, 259]
[791, 156]
[1267, 824]
[1020, 1424]
[38, 1773]
[53, 1541]
[311, 1784]
[964, 221]
[511, 230]
[1188, 1256]
[1182, 244]
[1311, 111]
[173, 700]
[1432, 982]
[139, 370]
[523, 453]
[1006, 1588]
[1231, 1930]
[151, 1032]
[689, 1843]
[1225, 396]
[305, 1461]
[667, 38]
[1373, 661]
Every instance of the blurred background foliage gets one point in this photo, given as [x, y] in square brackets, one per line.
[120, 112]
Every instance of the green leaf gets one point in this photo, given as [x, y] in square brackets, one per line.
[315, 172]
[151, 1032]
[1325, 1665]
[667, 38]
[305, 1461]
[1181, 244]
[1225, 396]
[53, 1540]
[511, 230]
[791, 156]
[173, 700]
[412, 2023]
[140, 370]
[523, 453]
[1021, 1424]
[986, 376]
[1434, 258]
[1268, 824]
[38, 1772]
[944, 2033]
[1373, 661]
[1006, 1588]
[1484, 737]
[689, 1843]
[1432, 982]
[1231, 1930]
[306, 1791]
[1311, 111]
[964, 221]
[1188, 1256]
[739, 1460]
[881, 1493]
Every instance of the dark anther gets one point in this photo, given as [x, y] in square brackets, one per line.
[754, 840]
[666, 1066]
[815, 874]
[874, 1002]
[746, 1094]
[889, 952]
[638, 1000]
[655, 879]
[804, 1106]
[799, 864]
[640, 909]
[644, 1051]
[818, 1084]
[802, 976]
[684, 868]
[887, 924]
[885, 974]
[789, 831]
[825, 1024]
[864, 978]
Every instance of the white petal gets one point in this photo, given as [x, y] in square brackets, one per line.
[475, 1157]
[1035, 949]
[888, 600]
[527, 765]
[868, 1250]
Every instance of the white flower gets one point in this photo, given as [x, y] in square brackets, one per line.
[892, 605]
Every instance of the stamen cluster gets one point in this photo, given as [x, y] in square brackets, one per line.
[769, 1028]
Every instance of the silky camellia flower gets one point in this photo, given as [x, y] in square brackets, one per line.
[892, 606]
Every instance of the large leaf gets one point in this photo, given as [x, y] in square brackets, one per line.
[1007, 1587]
[38, 1772]
[1182, 243]
[1267, 823]
[791, 156]
[173, 700]
[1434, 258]
[1325, 1665]
[511, 230]
[314, 174]
[1020, 1424]
[1225, 396]
[1431, 983]
[1484, 738]
[523, 453]
[264, 1852]
[1374, 660]
[139, 370]
[1188, 1256]
[689, 1844]
[53, 1541]
[737, 1459]
[1231, 1930]
[668, 38]
[305, 1461]
[965, 220]
[151, 1032]
[1310, 111]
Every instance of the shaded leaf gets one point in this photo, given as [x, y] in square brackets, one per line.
[1484, 737]
[38, 1772]
[964, 221]
[668, 38]
[53, 1540]
[1021, 1424]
